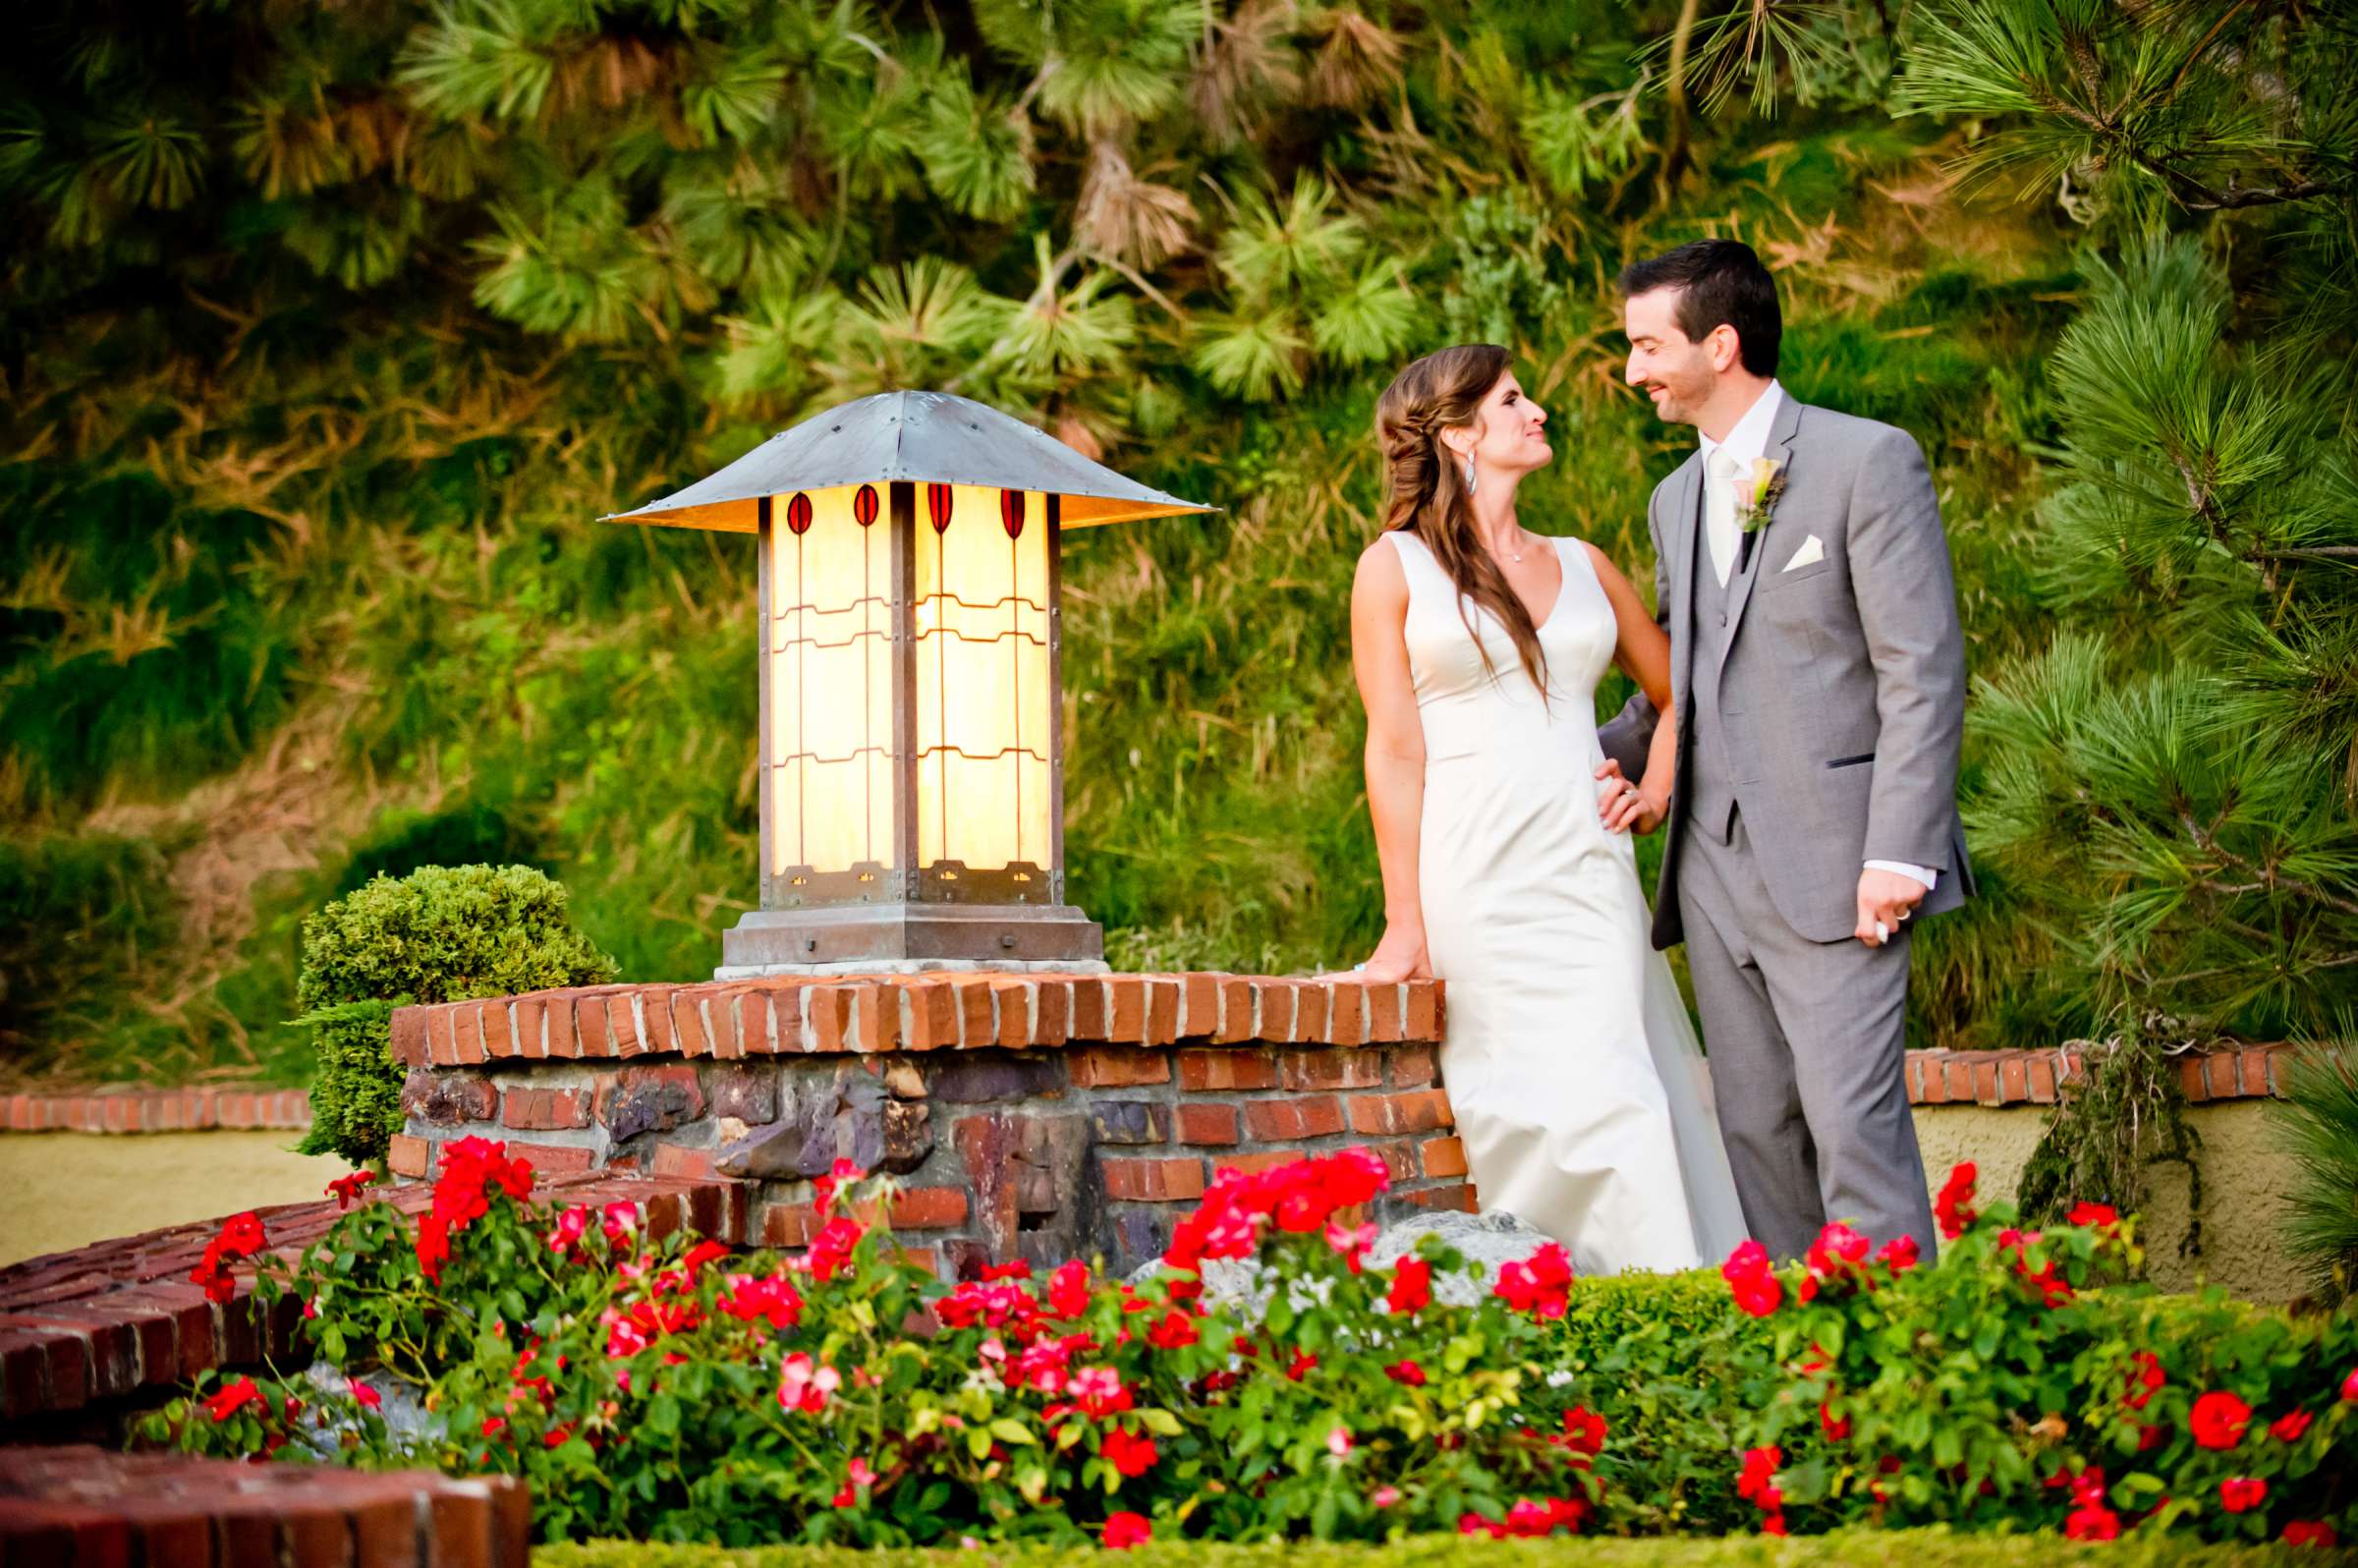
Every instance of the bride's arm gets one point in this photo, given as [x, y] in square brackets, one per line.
[1395, 756]
[1643, 649]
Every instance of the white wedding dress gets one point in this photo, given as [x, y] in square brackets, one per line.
[1579, 1090]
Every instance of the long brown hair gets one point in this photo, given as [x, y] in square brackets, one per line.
[1424, 489]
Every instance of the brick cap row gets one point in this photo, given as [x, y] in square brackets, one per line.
[2035, 1077]
[84, 1505]
[157, 1110]
[731, 1020]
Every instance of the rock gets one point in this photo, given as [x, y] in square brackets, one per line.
[645, 1099]
[748, 1097]
[412, 1427]
[1485, 1240]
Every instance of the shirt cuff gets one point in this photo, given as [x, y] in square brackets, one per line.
[1921, 874]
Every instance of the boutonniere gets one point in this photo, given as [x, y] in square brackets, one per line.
[1756, 498]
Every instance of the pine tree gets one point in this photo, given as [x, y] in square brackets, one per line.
[2175, 776]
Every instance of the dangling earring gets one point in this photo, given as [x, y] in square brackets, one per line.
[1470, 480]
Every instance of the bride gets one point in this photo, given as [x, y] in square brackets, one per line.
[1509, 871]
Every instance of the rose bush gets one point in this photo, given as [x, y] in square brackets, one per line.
[1999, 1388]
[670, 1389]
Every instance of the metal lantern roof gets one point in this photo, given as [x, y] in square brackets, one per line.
[928, 437]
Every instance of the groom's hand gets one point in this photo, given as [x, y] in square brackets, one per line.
[1885, 898]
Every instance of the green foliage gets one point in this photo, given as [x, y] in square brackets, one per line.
[76, 915]
[2318, 1122]
[439, 935]
[2173, 780]
[1963, 1392]
[650, 1389]
[316, 411]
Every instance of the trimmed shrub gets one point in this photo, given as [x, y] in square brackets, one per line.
[1849, 1549]
[440, 934]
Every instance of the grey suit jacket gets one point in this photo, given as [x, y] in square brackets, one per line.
[1843, 692]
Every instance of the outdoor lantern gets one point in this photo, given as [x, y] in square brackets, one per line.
[912, 771]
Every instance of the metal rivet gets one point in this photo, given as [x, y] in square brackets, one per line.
[1006, 939]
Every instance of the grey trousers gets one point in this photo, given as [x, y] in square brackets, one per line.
[1807, 1043]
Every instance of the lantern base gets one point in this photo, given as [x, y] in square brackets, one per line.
[845, 939]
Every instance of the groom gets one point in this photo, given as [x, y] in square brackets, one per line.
[1818, 676]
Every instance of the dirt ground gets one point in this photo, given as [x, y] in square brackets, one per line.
[68, 1189]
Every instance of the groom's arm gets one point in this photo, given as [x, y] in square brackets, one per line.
[1628, 736]
[1907, 598]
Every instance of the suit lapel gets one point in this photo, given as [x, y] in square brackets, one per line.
[1780, 449]
[1686, 536]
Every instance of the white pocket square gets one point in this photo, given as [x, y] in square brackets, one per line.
[1809, 555]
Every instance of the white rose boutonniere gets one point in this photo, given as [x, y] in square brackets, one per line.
[1756, 498]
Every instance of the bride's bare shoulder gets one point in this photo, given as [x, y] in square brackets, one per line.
[1381, 574]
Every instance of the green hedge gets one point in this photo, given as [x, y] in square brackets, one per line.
[1866, 1548]
[439, 935]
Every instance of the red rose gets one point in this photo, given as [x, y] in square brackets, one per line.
[2219, 1420]
[1752, 1281]
[1068, 1289]
[1583, 1431]
[1954, 1207]
[2349, 1387]
[2093, 1521]
[1175, 1330]
[235, 1397]
[2310, 1533]
[1760, 1469]
[1132, 1456]
[1900, 1254]
[2237, 1493]
[2146, 1378]
[344, 1190]
[1540, 1284]
[1836, 1427]
[1126, 1530]
[1405, 1373]
[2101, 1215]
[2289, 1429]
[1412, 1286]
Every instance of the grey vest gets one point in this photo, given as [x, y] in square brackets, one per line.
[1711, 778]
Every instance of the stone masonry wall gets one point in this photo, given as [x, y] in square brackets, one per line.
[1035, 1116]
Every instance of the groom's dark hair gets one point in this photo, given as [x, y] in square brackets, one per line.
[1720, 282]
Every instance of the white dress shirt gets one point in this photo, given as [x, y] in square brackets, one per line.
[1747, 440]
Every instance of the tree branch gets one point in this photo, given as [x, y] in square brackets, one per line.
[2209, 845]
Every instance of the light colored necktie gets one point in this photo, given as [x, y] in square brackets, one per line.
[1719, 511]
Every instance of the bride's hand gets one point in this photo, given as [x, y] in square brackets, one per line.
[1624, 807]
[1400, 956]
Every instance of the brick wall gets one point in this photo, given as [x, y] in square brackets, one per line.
[89, 1334]
[1039, 1116]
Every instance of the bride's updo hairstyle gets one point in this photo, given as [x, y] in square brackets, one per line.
[1425, 485]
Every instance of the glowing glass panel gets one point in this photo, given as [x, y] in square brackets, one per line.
[829, 768]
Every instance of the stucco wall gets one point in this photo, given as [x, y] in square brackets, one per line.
[2246, 1180]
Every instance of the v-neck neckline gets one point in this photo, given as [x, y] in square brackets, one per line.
[1563, 582]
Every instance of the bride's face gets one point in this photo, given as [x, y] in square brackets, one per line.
[1509, 434]
[1678, 374]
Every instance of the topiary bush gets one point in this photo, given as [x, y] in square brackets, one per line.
[441, 934]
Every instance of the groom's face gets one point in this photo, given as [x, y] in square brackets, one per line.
[1673, 369]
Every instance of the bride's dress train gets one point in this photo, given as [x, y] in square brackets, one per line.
[1579, 1090]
